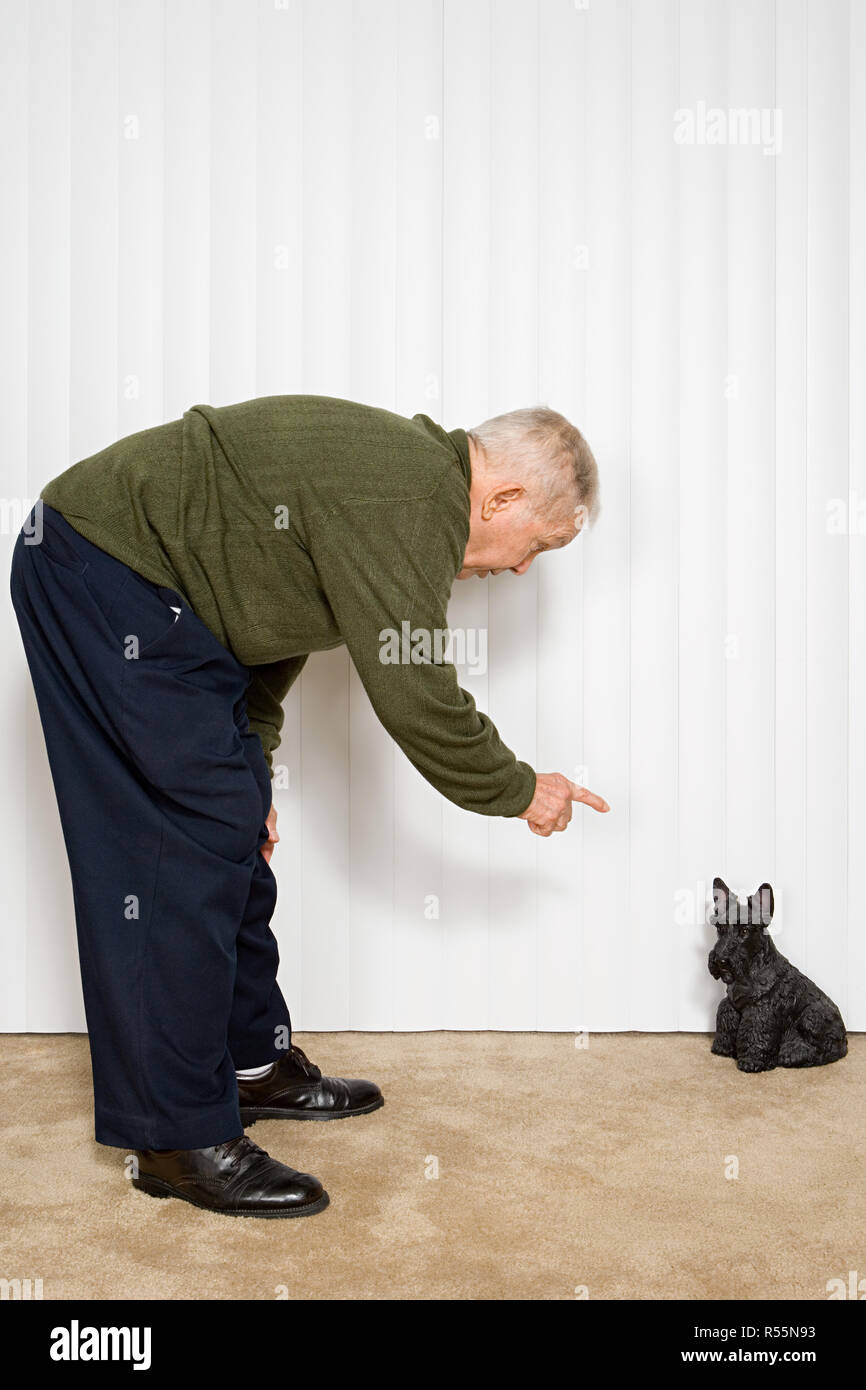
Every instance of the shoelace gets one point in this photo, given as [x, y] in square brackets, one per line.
[306, 1065]
[236, 1149]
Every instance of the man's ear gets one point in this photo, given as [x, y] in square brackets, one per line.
[723, 901]
[501, 498]
[761, 906]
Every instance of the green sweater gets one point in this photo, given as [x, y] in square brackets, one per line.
[293, 524]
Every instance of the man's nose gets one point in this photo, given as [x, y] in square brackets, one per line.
[523, 566]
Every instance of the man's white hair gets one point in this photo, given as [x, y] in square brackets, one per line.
[541, 444]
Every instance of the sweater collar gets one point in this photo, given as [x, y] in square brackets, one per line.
[461, 444]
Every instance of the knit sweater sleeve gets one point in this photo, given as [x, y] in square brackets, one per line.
[265, 694]
[382, 570]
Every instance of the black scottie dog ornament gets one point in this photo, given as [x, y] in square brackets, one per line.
[773, 1016]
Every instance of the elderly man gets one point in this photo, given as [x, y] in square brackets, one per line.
[169, 589]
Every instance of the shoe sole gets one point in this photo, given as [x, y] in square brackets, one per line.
[156, 1187]
[249, 1114]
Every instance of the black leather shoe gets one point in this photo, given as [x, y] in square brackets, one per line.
[295, 1089]
[236, 1178]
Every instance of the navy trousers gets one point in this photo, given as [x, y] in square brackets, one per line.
[163, 792]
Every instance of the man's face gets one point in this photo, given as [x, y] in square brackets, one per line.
[506, 533]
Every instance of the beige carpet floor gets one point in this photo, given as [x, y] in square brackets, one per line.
[608, 1169]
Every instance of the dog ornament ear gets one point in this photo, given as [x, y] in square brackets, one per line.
[724, 903]
[761, 906]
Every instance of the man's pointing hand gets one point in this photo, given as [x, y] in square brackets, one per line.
[550, 808]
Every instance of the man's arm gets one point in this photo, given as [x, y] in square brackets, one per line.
[377, 576]
[265, 694]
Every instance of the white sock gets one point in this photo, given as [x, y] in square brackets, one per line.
[253, 1073]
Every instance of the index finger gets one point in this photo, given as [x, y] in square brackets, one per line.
[589, 798]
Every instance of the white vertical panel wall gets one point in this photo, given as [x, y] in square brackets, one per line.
[460, 207]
